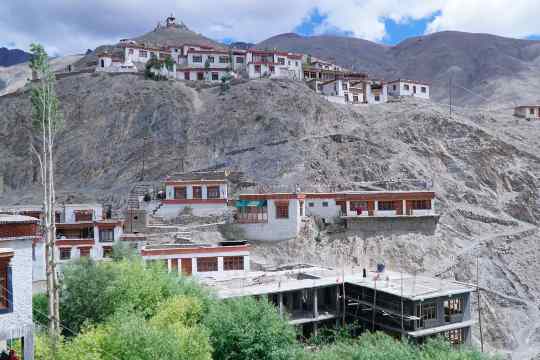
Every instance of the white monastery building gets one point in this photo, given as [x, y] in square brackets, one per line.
[274, 64]
[528, 111]
[82, 230]
[202, 193]
[17, 232]
[200, 259]
[208, 62]
[280, 216]
[402, 87]
[270, 217]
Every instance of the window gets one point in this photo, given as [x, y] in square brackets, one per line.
[455, 336]
[143, 53]
[310, 204]
[205, 264]
[423, 89]
[57, 217]
[200, 76]
[429, 311]
[87, 233]
[213, 192]
[224, 59]
[197, 192]
[358, 206]
[325, 204]
[84, 252]
[258, 68]
[84, 215]
[152, 54]
[107, 252]
[346, 97]
[453, 307]
[210, 59]
[180, 193]
[421, 204]
[531, 111]
[296, 63]
[130, 51]
[282, 210]
[215, 76]
[65, 253]
[386, 205]
[344, 86]
[197, 58]
[355, 98]
[106, 235]
[377, 98]
[186, 75]
[406, 87]
[281, 61]
[394, 87]
[252, 214]
[5, 292]
[239, 60]
[414, 89]
[272, 69]
[233, 263]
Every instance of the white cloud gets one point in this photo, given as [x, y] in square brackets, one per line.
[500, 17]
[66, 26]
[365, 19]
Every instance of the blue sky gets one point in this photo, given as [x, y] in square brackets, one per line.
[395, 32]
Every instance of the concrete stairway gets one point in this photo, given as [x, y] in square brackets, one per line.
[138, 190]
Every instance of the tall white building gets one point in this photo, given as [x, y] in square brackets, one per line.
[17, 233]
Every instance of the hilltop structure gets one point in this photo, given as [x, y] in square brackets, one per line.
[204, 60]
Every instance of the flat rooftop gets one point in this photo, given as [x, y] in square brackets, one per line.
[412, 287]
[17, 219]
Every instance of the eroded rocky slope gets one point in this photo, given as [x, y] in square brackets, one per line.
[483, 166]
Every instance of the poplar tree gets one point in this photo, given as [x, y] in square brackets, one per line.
[46, 121]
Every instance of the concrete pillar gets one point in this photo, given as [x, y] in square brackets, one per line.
[193, 265]
[316, 303]
[280, 300]
[247, 264]
[204, 190]
[404, 207]
[220, 264]
[28, 345]
[189, 192]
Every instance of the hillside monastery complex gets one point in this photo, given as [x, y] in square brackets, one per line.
[311, 296]
[191, 62]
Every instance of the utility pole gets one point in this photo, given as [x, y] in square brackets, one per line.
[143, 155]
[479, 306]
[450, 92]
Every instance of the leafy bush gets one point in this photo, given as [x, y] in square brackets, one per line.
[379, 346]
[92, 292]
[40, 304]
[249, 329]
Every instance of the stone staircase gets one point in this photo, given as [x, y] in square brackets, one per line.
[137, 191]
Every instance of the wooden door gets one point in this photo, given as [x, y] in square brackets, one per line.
[174, 266]
[186, 266]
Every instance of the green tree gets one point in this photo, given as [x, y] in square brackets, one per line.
[247, 329]
[92, 292]
[47, 120]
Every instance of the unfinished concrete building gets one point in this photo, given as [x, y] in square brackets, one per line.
[401, 305]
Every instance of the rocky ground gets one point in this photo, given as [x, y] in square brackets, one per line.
[484, 167]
